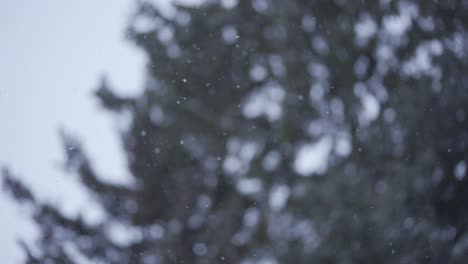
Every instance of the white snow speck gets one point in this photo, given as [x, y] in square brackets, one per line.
[229, 34]
[228, 4]
[365, 29]
[249, 186]
[460, 170]
[371, 108]
[271, 160]
[200, 249]
[278, 197]
[251, 217]
[265, 101]
[343, 146]
[312, 158]
[308, 23]
[258, 72]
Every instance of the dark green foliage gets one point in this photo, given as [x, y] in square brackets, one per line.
[388, 78]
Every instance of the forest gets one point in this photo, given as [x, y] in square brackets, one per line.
[280, 131]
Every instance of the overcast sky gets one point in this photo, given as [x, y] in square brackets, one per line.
[52, 53]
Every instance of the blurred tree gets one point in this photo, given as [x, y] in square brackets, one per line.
[283, 132]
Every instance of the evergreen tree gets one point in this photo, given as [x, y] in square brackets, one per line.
[243, 102]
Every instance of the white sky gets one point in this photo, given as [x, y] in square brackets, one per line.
[52, 53]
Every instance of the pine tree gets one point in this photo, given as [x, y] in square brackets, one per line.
[242, 101]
